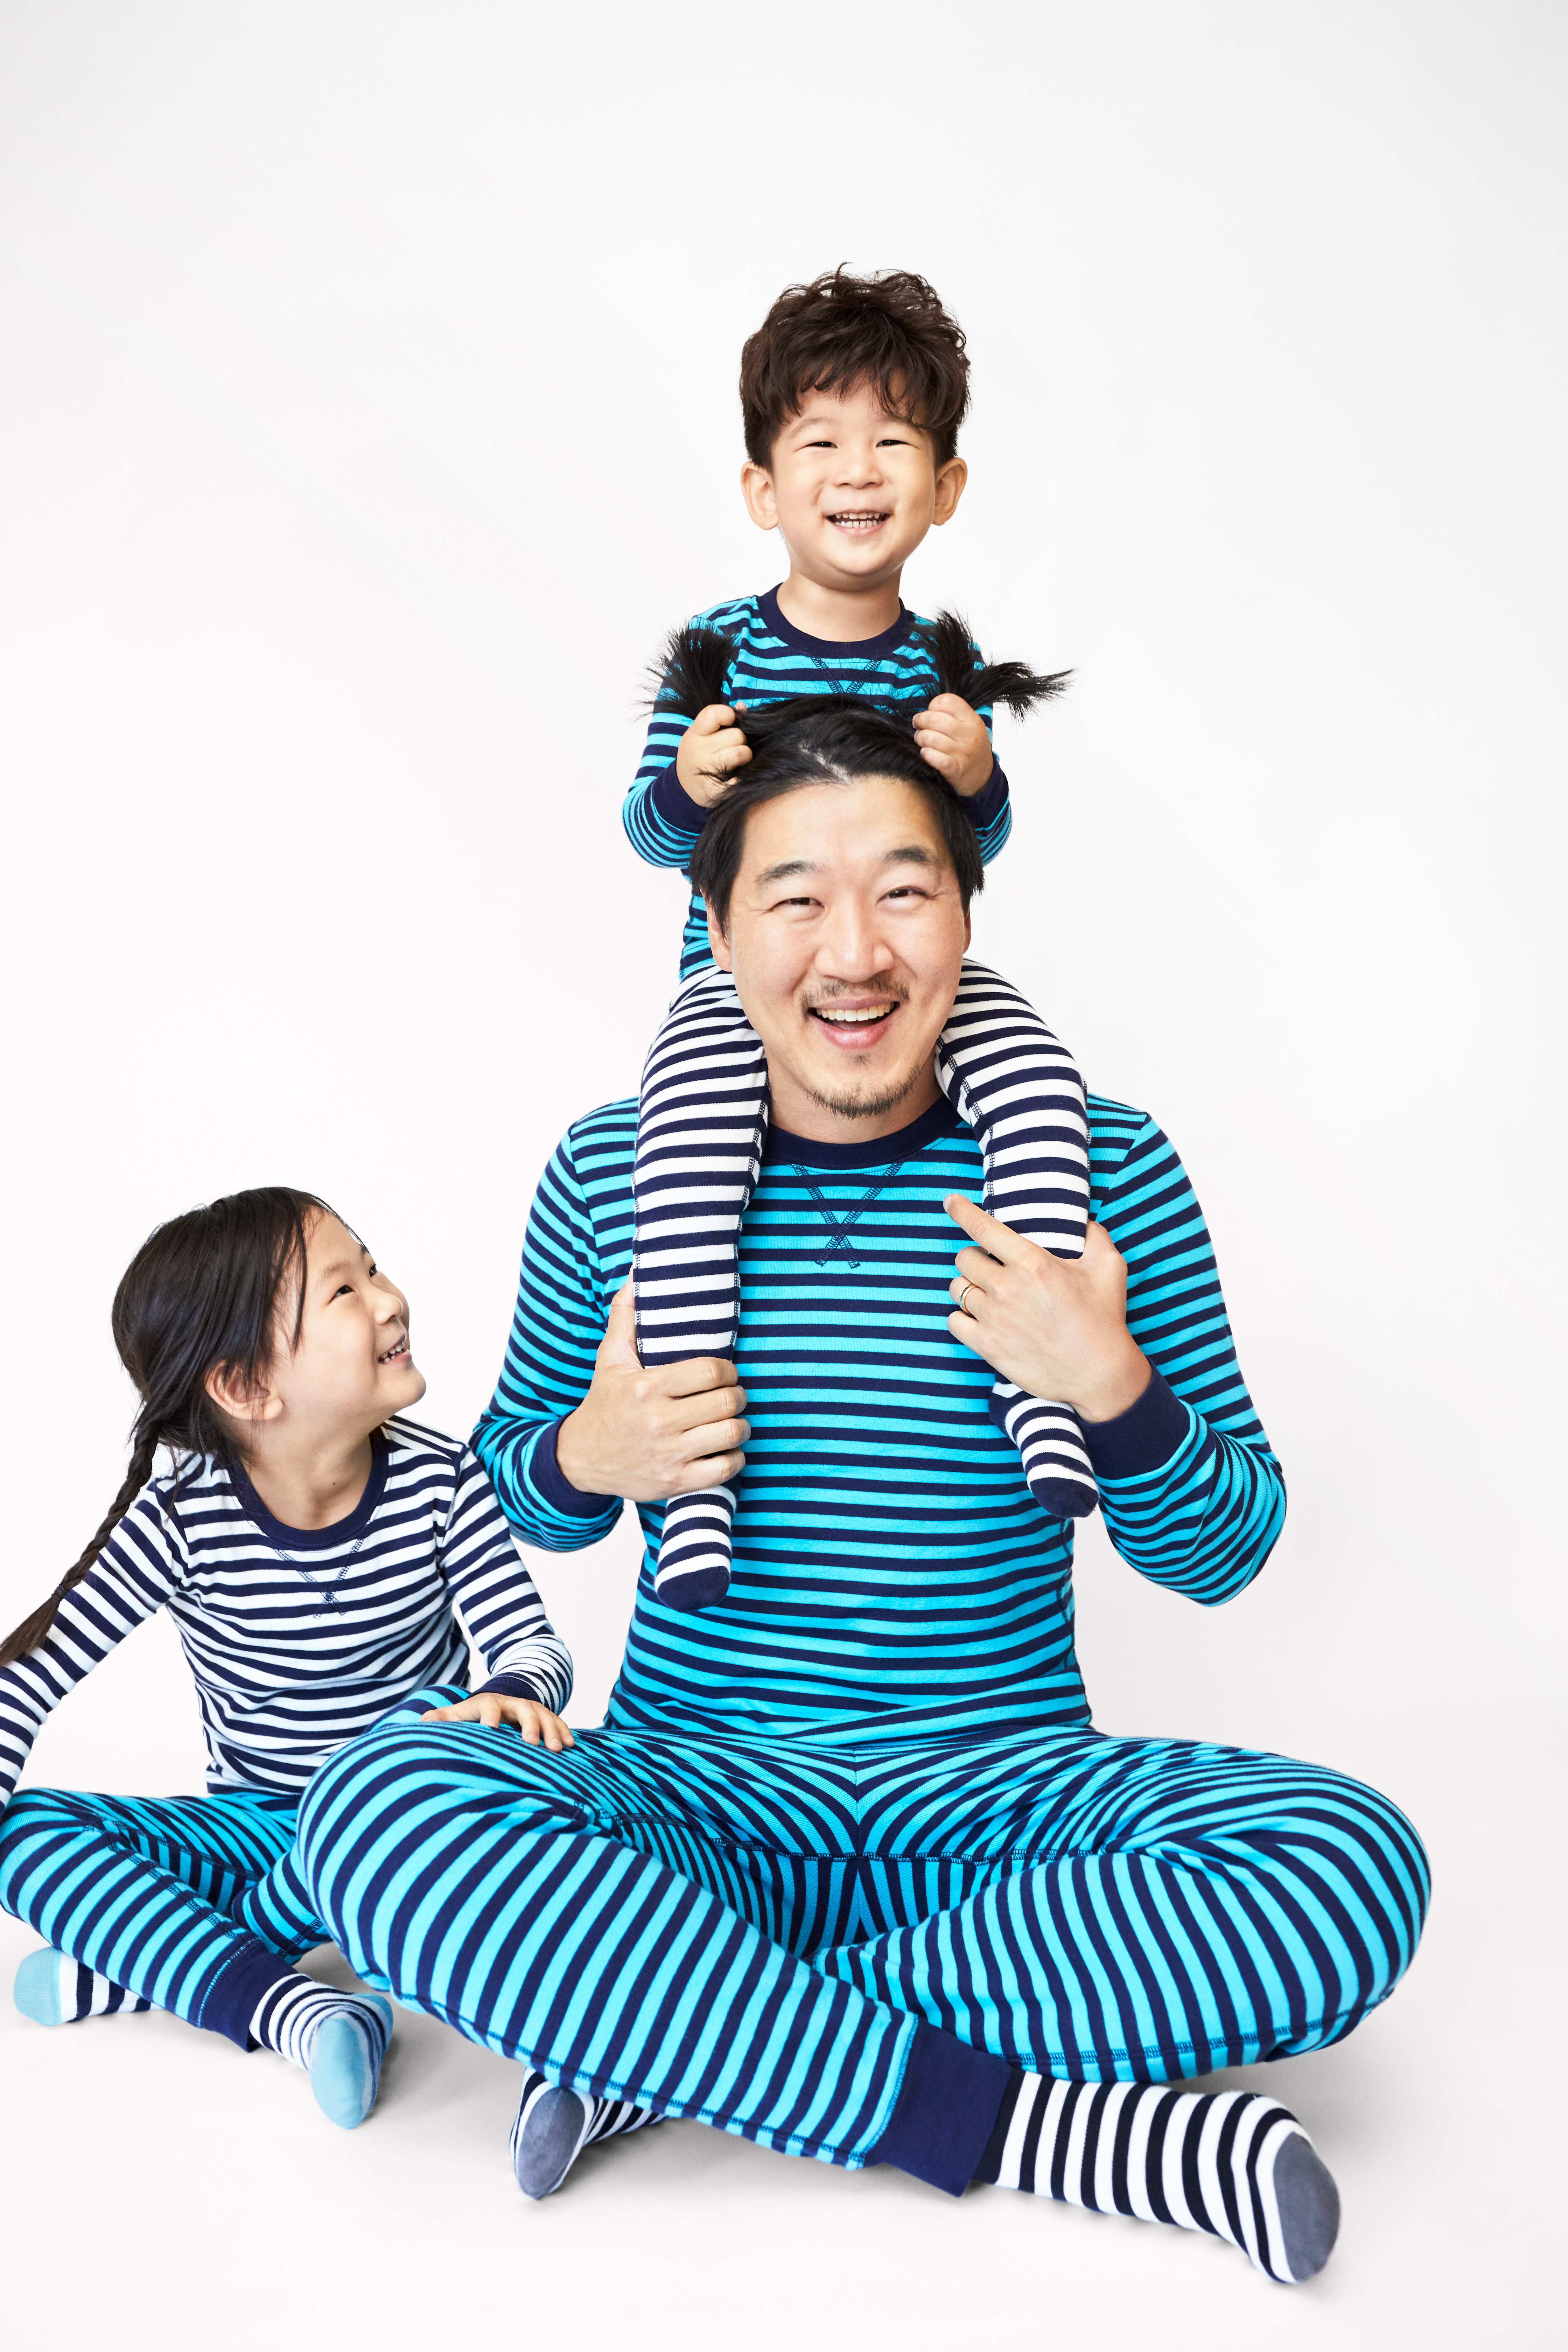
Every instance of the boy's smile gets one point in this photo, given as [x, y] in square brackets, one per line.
[852, 491]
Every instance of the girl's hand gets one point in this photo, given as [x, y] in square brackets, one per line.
[952, 737]
[712, 742]
[536, 1723]
[1057, 1325]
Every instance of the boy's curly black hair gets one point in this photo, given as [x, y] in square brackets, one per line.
[890, 332]
[837, 739]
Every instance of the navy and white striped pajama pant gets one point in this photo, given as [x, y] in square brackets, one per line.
[191, 1903]
[747, 1931]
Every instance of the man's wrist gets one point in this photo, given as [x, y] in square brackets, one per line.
[563, 1472]
[1116, 1389]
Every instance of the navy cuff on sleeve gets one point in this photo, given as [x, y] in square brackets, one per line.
[552, 1482]
[511, 1687]
[1142, 1439]
[675, 805]
[987, 802]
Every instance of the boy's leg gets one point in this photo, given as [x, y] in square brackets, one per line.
[700, 1120]
[1013, 1081]
[494, 1884]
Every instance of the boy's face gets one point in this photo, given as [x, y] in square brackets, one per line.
[852, 490]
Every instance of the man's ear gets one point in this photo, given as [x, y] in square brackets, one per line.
[719, 946]
[240, 1399]
[757, 489]
[968, 930]
[950, 481]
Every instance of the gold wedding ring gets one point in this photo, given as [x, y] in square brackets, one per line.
[963, 1294]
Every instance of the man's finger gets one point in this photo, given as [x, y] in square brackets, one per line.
[989, 1232]
[695, 1374]
[619, 1344]
[713, 1470]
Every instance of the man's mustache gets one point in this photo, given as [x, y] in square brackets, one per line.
[892, 991]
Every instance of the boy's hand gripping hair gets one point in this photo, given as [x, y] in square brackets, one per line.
[950, 731]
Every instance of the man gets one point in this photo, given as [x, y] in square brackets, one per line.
[848, 1870]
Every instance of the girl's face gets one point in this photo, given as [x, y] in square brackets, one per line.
[351, 1368]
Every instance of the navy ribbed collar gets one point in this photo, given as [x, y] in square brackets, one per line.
[318, 1538]
[862, 649]
[882, 1151]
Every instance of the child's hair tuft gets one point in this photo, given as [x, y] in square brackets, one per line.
[890, 332]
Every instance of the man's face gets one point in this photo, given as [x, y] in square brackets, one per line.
[852, 490]
[846, 935]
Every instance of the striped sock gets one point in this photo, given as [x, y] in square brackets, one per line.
[554, 2124]
[54, 1991]
[1228, 2162]
[339, 2039]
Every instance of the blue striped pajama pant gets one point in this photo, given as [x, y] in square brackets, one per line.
[193, 1902]
[747, 1930]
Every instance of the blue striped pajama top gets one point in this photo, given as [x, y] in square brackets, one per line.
[892, 1574]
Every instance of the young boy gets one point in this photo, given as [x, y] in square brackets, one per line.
[852, 392]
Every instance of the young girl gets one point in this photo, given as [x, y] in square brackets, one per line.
[310, 1545]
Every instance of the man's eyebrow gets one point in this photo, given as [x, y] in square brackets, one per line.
[787, 866]
[914, 853]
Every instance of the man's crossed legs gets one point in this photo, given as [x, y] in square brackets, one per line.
[909, 1952]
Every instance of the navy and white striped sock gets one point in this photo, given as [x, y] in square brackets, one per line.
[554, 2124]
[702, 1123]
[339, 2039]
[1227, 2162]
[54, 1991]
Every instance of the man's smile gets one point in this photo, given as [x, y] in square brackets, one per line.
[852, 1026]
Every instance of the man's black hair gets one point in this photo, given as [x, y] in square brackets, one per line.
[837, 739]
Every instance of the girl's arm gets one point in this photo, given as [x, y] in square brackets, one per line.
[491, 1586]
[138, 1568]
[1192, 1492]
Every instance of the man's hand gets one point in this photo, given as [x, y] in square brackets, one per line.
[712, 742]
[536, 1723]
[952, 737]
[1057, 1325]
[649, 1435]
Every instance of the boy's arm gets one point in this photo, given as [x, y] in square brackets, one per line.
[662, 821]
[1192, 1492]
[562, 1310]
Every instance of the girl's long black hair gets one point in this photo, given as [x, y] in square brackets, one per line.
[837, 737]
[202, 1294]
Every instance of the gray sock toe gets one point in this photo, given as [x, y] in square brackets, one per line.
[547, 2143]
[1308, 2206]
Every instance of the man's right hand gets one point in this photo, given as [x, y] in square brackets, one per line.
[649, 1435]
[712, 747]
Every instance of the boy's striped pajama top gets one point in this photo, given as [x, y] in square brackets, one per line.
[774, 662]
[863, 1791]
[298, 1640]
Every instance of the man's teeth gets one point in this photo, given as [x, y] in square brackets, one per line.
[871, 1013]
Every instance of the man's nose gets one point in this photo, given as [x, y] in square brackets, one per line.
[850, 945]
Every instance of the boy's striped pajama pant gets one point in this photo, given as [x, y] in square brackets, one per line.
[193, 1903]
[747, 1931]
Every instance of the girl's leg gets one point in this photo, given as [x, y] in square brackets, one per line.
[139, 1892]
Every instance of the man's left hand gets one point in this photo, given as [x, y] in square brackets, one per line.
[1057, 1326]
[492, 1708]
[952, 737]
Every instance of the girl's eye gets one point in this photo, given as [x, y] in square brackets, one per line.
[344, 1290]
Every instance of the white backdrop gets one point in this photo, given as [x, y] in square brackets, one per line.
[366, 413]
